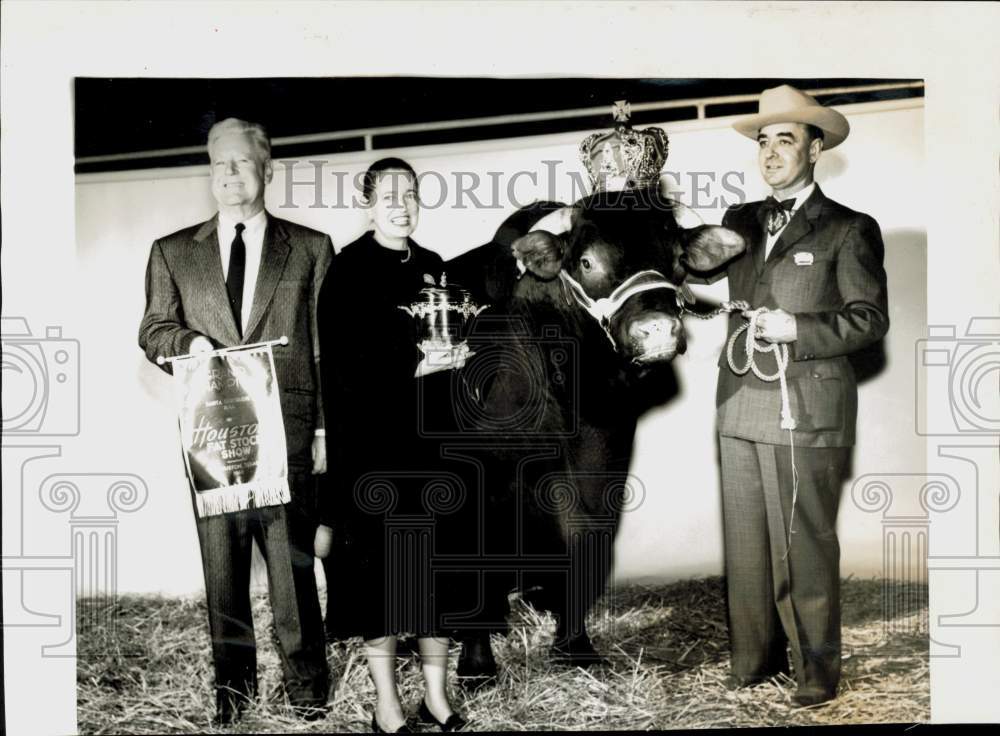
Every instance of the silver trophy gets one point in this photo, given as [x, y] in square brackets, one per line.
[443, 315]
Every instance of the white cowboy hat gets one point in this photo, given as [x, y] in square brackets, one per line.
[785, 104]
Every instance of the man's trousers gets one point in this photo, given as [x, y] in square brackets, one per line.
[777, 599]
[284, 535]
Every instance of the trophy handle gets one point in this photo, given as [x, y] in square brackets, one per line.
[479, 310]
[408, 310]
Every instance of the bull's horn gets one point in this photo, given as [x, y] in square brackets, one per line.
[557, 222]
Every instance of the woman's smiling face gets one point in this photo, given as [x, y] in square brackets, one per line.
[394, 206]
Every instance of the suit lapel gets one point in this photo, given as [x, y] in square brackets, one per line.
[801, 225]
[272, 263]
[207, 265]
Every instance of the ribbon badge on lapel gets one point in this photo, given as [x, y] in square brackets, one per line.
[803, 258]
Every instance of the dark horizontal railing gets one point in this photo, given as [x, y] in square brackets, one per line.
[491, 128]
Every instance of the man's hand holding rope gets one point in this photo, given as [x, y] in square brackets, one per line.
[774, 326]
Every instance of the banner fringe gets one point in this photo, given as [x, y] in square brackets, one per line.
[229, 499]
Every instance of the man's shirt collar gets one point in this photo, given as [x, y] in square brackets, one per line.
[800, 196]
[255, 224]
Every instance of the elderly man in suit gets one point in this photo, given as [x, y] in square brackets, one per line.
[245, 276]
[815, 266]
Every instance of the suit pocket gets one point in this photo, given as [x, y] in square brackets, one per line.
[818, 401]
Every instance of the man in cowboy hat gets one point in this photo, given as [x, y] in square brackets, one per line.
[815, 266]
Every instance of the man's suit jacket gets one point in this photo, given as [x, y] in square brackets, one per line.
[186, 297]
[826, 269]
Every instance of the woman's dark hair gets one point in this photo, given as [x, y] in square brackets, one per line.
[380, 167]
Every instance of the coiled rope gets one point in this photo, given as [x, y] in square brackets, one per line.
[780, 352]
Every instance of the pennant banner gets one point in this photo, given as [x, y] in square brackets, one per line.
[232, 432]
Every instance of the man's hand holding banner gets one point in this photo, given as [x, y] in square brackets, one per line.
[232, 431]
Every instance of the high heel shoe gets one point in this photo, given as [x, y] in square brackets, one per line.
[455, 722]
[378, 729]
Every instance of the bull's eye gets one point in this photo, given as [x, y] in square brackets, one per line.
[586, 264]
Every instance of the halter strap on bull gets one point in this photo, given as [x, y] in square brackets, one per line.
[604, 308]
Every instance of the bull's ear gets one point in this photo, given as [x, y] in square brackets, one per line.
[709, 246]
[541, 253]
[557, 222]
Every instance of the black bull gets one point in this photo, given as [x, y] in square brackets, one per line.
[571, 354]
[540, 424]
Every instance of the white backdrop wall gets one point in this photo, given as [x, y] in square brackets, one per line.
[127, 420]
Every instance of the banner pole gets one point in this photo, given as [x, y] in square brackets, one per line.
[283, 340]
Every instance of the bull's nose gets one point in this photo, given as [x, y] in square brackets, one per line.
[655, 328]
[655, 338]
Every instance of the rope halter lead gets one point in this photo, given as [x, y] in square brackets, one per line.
[780, 351]
[605, 308]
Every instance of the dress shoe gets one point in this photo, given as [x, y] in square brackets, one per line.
[378, 729]
[807, 696]
[455, 722]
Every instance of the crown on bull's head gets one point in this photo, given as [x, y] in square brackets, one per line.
[624, 157]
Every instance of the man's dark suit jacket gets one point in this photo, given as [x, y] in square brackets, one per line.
[186, 297]
[826, 269]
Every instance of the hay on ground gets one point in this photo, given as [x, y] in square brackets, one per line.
[144, 667]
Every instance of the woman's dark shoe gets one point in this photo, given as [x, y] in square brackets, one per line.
[378, 729]
[455, 722]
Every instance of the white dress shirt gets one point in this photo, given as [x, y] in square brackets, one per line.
[800, 197]
[253, 239]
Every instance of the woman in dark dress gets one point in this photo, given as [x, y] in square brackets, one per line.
[380, 500]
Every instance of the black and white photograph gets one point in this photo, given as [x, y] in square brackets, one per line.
[361, 375]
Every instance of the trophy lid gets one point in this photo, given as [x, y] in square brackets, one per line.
[450, 292]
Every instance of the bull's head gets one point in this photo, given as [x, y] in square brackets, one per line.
[625, 263]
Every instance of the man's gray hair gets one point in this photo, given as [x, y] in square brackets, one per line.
[254, 131]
